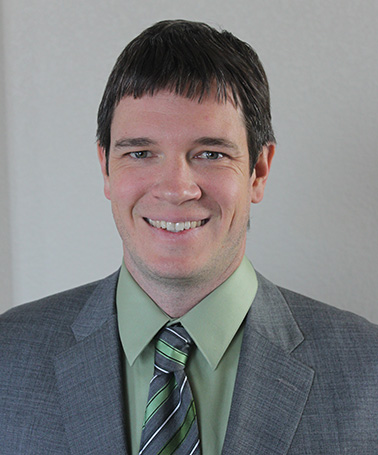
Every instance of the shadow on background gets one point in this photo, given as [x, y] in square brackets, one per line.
[6, 285]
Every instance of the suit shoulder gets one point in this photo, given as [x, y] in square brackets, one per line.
[326, 323]
[62, 303]
[307, 307]
[49, 316]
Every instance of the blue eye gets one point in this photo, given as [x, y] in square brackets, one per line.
[140, 155]
[211, 155]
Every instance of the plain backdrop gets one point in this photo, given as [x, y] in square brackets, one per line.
[316, 230]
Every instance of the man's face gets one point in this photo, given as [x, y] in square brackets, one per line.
[180, 187]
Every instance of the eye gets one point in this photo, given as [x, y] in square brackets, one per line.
[208, 155]
[140, 154]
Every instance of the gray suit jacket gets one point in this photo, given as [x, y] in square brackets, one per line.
[307, 380]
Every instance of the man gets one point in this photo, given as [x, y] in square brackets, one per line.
[185, 145]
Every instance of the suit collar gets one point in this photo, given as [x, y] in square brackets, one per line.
[271, 387]
[89, 378]
[271, 317]
[98, 309]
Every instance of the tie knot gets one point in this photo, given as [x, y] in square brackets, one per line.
[172, 349]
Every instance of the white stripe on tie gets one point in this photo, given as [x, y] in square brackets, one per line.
[167, 420]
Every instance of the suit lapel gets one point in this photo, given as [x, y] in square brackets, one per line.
[89, 379]
[271, 387]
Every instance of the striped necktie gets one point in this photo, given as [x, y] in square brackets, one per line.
[170, 423]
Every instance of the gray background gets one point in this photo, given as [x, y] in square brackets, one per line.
[315, 231]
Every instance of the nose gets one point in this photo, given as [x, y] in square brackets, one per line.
[176, 182]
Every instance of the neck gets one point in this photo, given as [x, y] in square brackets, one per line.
[178, 296]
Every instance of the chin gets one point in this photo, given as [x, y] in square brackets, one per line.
[175, 272]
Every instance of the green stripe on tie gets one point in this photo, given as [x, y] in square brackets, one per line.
[179, 437]
[171, 352]
[159, 399]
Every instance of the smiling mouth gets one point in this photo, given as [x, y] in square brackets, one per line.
[176, 227]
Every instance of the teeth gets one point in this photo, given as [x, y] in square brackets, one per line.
[175, 227]
[171, 226]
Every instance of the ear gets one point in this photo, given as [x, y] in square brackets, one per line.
[102, 159]
[261, 172]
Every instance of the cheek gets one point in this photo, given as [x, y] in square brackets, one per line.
[234, 197]
[126, 189]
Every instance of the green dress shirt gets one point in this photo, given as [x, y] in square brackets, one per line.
[216, 327]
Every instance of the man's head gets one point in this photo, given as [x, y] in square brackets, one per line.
[185, 145]
[191, 59]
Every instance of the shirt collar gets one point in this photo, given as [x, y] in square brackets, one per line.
[212, 323]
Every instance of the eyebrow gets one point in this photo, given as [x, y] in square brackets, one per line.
[146, 142]
[216, 142]
[134, 142]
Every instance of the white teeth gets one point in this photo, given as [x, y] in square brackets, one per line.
[175, 227]
[171, 226]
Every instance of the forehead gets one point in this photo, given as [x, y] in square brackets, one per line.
[167, 111]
